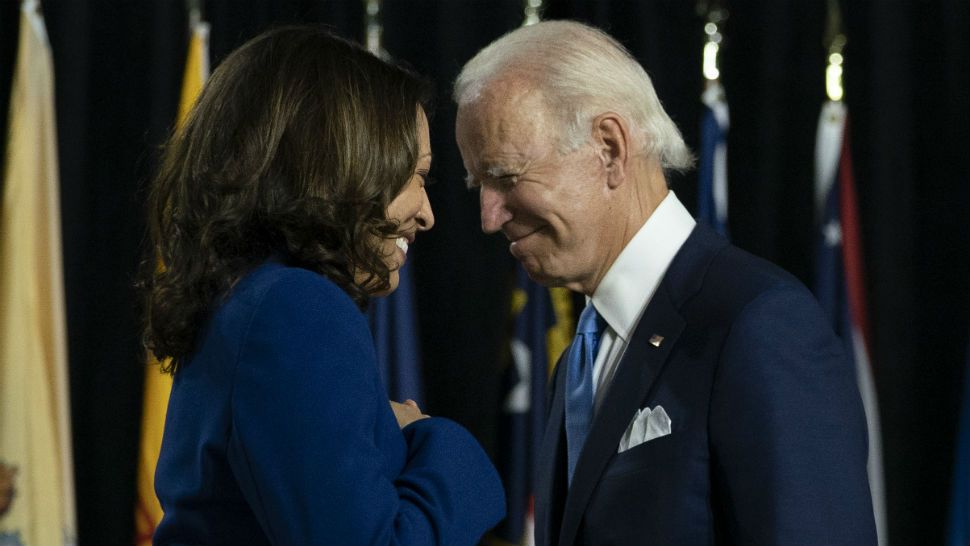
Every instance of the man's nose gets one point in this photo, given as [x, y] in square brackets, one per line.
[494, 211]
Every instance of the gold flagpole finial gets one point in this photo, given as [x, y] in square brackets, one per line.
[194, 7]
[373, 28]
[835, 41]
[533, 12]
[715, 14]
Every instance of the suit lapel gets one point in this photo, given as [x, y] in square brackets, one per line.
[636, 373]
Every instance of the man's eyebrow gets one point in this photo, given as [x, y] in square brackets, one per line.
[500, 172]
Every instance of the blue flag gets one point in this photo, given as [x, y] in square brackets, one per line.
[541, 330]
[394, 325]
[712, 204]
[523, 409]
[958, 524]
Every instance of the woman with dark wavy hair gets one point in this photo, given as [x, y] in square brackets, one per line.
[286, 200]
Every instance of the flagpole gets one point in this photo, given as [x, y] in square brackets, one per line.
[712, 194]
[374, 28]
[532, 12]
[840, 273]
[715, 14]
[36, 469]
[194, 9]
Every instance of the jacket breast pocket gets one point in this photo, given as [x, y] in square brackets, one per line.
[650, 455]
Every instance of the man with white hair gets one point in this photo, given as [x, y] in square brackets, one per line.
[705, 399]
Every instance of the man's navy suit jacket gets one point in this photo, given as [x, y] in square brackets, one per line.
[768, 439]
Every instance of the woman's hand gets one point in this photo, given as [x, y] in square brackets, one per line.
[407, 413]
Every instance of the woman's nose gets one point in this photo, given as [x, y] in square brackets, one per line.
[425, 217]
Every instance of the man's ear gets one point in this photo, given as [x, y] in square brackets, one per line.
[612, 139]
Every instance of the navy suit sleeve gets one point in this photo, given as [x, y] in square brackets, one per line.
[788, 430]
[306, 443]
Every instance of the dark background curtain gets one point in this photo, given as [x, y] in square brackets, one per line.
[118, 71]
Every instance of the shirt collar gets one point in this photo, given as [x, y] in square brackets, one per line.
[631, 281]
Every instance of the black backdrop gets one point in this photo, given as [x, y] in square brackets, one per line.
[118, 69]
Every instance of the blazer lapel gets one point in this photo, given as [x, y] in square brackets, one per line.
[635, 375]
[637, 371]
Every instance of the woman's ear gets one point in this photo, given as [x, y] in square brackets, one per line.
[611, 138]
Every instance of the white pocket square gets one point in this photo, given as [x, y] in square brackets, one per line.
[647, 424]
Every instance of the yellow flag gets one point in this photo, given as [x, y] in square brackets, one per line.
[196, 68]
[561, 335]
[36, 468]
[157, 385]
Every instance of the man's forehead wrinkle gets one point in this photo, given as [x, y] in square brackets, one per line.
[513, 94]
[506, 121]
[518, 119]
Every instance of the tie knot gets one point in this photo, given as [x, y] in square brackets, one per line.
[590, 322]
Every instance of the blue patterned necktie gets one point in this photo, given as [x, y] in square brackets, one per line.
[579, 383]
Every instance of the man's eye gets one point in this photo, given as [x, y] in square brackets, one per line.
[507, 181]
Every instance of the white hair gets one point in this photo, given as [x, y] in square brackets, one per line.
[581, 72]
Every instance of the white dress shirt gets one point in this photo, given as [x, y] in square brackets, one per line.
[631, 281]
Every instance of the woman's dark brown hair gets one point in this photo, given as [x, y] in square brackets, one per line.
[296, 146]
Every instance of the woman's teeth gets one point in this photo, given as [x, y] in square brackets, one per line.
[402, 243]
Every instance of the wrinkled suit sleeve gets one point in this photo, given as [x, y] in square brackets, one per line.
[788, 430]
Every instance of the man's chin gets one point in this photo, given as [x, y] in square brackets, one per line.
[537, 273]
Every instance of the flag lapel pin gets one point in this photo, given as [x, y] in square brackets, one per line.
[656, 340]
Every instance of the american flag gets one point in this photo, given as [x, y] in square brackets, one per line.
[840, 280]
